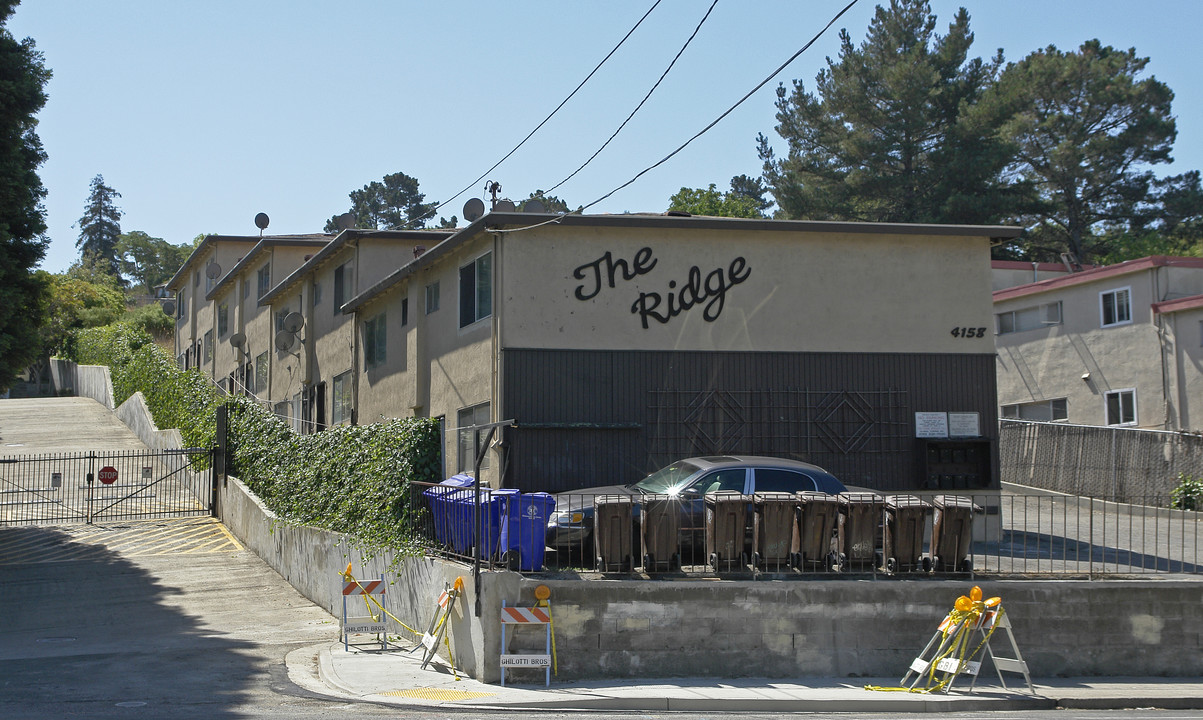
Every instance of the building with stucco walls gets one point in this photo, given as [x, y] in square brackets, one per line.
[1114, 345]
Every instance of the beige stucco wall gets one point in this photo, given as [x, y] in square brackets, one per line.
[759, 291]
[1048, 363]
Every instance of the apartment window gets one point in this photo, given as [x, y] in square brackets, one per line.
[374, 342]
[223, 319]
[281, 410]
[1043, 411]
[181, 301]
[404, 311]
[476, 290]
[1121, 407]
[342, 286]
[1028, 318]
[341, 412]
[246, 289]
[208, 346]
[261, 372]
[264, 278]
[196, 278]
[280, 315]
[469, 440]
[317, 293]
[432, 297]
[1116, 307]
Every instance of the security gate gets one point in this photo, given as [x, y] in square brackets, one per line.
[102, 486]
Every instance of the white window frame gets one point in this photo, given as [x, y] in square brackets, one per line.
[1115, 294]
[341, 407]
[1120, 393]
[375, 341]
[1055, 406]
[476, 300]
[1008, 322]
[263, 280]
[432, 297]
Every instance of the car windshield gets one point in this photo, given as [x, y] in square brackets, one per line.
[666, 479]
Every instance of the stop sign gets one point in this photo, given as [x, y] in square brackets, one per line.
[107, 475]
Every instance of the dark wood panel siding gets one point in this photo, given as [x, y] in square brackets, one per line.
[597, 417]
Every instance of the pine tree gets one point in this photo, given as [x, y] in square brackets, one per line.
[100, 226]
[887, 136]
[23, 294]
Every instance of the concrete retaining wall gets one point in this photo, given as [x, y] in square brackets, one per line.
[82, 380]
[136, 416]
[824, 628]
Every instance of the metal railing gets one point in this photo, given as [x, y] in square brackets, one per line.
[1018, 532]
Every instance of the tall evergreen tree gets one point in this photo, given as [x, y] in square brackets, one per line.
[23, 294]
[395, 204]
[100, 226]
[887, 136]
[1085, 130]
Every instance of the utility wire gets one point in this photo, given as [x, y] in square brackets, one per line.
[641, 102]
[553, 112]
[729, 110]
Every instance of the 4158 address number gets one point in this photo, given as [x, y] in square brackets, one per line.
[969, 332]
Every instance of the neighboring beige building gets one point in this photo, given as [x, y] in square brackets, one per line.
[1114, 345]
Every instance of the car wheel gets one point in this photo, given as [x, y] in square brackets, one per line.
[891, 565]
[967, 565]
[926, 564]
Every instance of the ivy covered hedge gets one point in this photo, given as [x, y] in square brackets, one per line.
[353, 479]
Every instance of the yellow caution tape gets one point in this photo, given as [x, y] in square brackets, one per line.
[369, 600]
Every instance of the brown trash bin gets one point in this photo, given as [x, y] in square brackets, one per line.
[660, 533]
[952, 532]
[773, 528]
[612, 531]
[862, 528]
[906, 523]
[726, 529]
[817, 543]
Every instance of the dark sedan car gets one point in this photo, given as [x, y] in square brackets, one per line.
[570, 527]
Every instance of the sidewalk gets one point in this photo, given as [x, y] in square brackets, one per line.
[394, 677]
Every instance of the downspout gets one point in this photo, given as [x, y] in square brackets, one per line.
[310, 335]
[496, 345]
[1168, 421]
[354, 340]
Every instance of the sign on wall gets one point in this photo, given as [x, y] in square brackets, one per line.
[945, 425]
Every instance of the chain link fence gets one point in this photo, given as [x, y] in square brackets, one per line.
[1109, 463]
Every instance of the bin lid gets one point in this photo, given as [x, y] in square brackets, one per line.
[909, 501]
[726, 496]
[460, 480]
[862, 497]
[815, 496]
[955, 501]
[773, 497]
[613, 499]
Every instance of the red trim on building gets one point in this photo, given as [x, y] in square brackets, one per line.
[1100, 273]
[1185, 303]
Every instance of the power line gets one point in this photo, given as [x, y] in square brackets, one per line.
[553, 112]
[641, 102]
[729, 110]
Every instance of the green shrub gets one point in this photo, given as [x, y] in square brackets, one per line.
[1189, 493]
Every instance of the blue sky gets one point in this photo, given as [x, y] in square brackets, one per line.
[203, 114]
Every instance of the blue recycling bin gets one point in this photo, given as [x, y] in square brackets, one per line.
[438, 498]
[461, 519]
[524, 528]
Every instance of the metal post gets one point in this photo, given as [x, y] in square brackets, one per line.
[480, 456]
[91, 475]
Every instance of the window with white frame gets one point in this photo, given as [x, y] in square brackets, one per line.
[208, 346]
[342, 286]
[476, 290]
[264, 279]
[469, 440]
[374, 342]
[223, 319]
[181, 304]
[1042, 411]
[1029, 318]
[432, 297]
[340, 412]
[1115, 307]
[261, 361]
[1121, 407]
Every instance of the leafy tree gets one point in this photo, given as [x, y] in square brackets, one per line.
[752, 188]
[551, 203]
[886, 136]
[100, 225]
[150, 261]
[80, 298]
[23, 78]
[712, 202]
[395, 204]
[1085, 129]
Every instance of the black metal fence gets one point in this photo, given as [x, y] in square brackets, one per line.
[102, 486]
[1007, 534]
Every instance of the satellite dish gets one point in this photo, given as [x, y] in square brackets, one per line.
[261, 221]
[284, 340]
[293, 322]
[345, 221]
[238, 340]
[212, 271]
[534, 205]
[168, 307]
[504, 206]
[473, 209]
